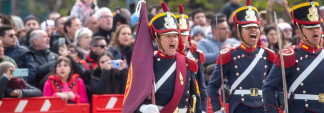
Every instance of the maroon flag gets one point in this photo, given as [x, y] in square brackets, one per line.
[141, 74]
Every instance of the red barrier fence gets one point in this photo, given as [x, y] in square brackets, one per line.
[41, 105]
[107, 103]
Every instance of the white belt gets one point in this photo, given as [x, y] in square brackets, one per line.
[181, 110]
[245, 92]
[306, 96]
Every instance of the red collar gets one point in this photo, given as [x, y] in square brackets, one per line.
[308, 48]
[246, 48]
[163, 55]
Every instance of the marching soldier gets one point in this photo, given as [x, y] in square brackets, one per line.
[302, 65]
[193, 52]
[245, 66]
[175, 87]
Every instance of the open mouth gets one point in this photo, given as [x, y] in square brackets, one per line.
[253, 36]
[316, 36]
[172, 46]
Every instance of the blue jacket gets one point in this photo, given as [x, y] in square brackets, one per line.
[28, 59]
[296, 60]
[209, 47]
[235, 61]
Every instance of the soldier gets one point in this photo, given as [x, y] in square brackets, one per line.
[245, 66]
[175, 89]
[301, 63]
[193, 52]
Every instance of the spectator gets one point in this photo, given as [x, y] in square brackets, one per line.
[199, 18]
[152, 10]
[92, 23]
[59, 30]
[83, 38]
[107, 80]
[19, 53]
[209, 46]
[64, 83]
[263, 21]
[322, 11]
[286, 30]
[119, 19]
[271, 34]
[158, 10]
[208, 72]
[264, 41]
[209, 17]
[98, 45]
[4, 58]
[121, 39]
[31, 22]
[286, 11]
[105, 18]
[19, 24]
[21, 33]
[48, 27]
[13, 86]
[5, 20]
[44, 58]
[70, 27]
[230, 7]
[83, 10]
[59, 27]
[54, 15]
[197, 33]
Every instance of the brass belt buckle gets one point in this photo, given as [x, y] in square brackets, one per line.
[321, 97]
[254, 92]
[176, 110]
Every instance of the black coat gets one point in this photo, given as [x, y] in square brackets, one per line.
[103, 82]
[30, 91]
[26, 59]
[45, 61]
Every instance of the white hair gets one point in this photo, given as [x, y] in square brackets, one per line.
[50, 23]
[102, 10]
[34, 35]
[79, 33]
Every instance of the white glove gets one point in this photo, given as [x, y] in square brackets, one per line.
[218, 112]
[149, 108]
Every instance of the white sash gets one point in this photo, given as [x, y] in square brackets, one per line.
[306, 72]
[166, 76]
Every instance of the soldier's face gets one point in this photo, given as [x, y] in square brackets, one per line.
[313, 35]
[185, 39]
[169, 42]
[250, 35]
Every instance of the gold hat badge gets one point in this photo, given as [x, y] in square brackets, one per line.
[313, 15]
[250, 14]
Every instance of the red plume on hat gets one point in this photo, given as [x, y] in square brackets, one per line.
[165, 7]
[181, 10]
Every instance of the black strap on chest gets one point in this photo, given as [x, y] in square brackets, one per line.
[70, 87]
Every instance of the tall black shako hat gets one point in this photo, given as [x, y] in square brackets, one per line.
[183, 21]
[246, 16]
[306, 15]
[163, 23]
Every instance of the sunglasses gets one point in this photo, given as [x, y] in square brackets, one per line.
[264, 40]
[101, 46]
[12, 35]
